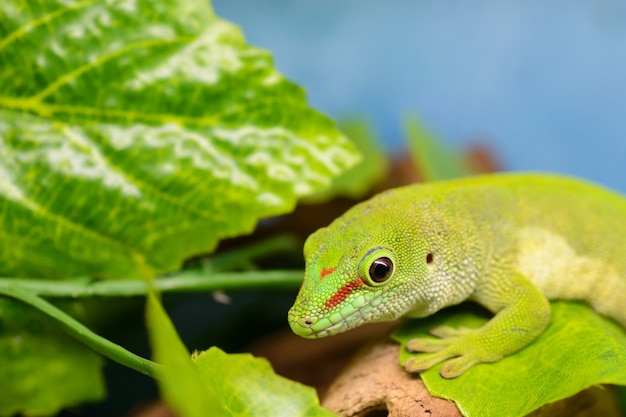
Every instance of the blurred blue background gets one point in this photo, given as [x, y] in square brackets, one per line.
[542, 84]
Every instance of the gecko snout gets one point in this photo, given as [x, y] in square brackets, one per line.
[306, 322]
[302, 326]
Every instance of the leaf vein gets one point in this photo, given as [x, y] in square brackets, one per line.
[74, 74]
[47, 110]
[23, 30]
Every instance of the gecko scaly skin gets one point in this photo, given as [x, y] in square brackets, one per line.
[509, 242]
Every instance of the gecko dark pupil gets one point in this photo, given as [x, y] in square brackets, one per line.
[381, 269]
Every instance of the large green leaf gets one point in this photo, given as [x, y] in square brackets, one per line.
[35, 354]
[218, 384]
[134, 134]
[578, 349]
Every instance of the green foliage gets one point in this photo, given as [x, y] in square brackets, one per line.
[432, 158]
[218, 384]
[43, 369]
[181, 383]
[134, 135]
[356, 182]
[249, 387]
[578, 349]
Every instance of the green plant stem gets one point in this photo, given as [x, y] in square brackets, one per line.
[185, 281]
[80, 331]
[31, 291]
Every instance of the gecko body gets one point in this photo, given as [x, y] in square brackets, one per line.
[509, 242]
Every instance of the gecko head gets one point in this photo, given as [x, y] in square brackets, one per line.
[354, 276]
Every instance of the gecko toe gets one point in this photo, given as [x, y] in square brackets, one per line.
[423, 362]
[454, 367]
[426, 345]
[446, 332]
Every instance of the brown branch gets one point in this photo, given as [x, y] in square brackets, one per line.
[374, 382]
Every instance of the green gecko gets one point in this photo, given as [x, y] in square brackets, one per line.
[509, 242]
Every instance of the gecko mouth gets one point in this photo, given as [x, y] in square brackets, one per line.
[304, 326]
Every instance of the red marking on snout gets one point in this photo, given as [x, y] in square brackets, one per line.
[343, 293]
[326, 271]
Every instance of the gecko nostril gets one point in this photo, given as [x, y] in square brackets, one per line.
[307, 322]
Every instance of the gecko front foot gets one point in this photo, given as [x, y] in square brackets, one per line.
[520, 320]
[458, 347]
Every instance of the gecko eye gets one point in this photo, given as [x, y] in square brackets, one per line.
[377, 266]
[381, 270]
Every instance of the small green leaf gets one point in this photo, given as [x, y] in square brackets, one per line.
[432, 158]
[182, 384]
[218, 384]
[249, 387]
[135, 134]
[578, 349]
[34, 354]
